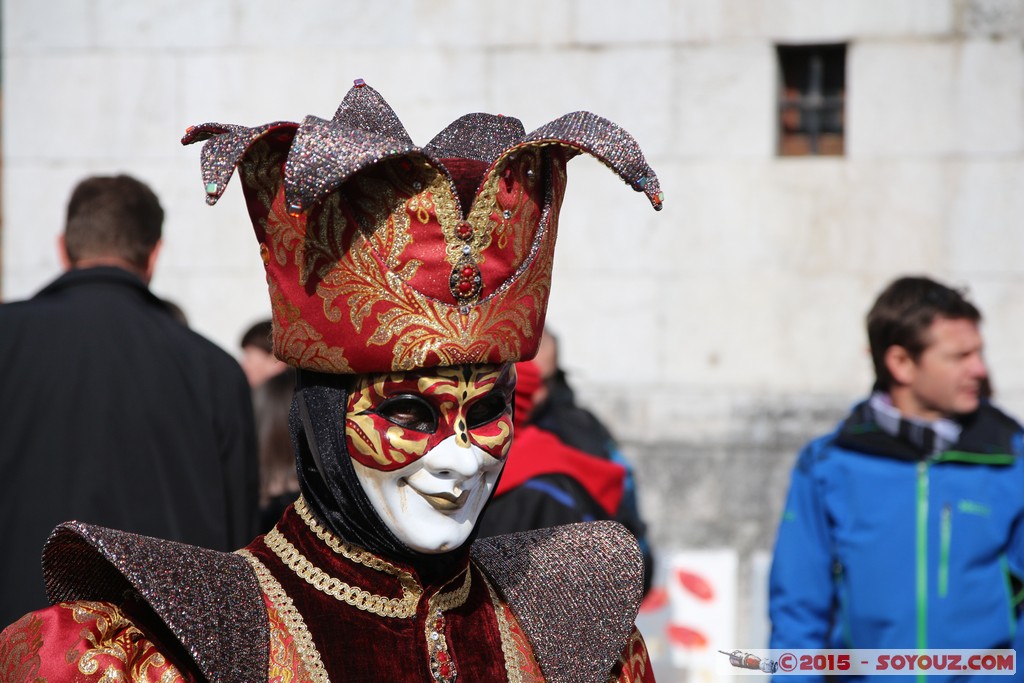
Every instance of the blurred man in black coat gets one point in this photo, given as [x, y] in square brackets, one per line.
[111, 410]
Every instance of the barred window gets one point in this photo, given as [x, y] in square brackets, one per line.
[812, 99]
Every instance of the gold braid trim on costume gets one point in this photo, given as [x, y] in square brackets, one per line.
[293, 620]
[449, 601]
[520, 664]
[402, 608]
[347, 550]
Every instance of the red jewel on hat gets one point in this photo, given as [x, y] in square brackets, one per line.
[358, 83]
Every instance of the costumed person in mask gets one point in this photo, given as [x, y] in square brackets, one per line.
[405, 282]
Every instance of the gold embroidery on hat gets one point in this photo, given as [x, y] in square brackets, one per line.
[361, 271]
[327, 239]
[264, 173]
[381, 202]
[297, 341]
[521, 164]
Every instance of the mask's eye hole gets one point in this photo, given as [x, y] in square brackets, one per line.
[409, 411]
[487, 409]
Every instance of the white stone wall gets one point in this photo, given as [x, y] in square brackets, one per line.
[747, 291]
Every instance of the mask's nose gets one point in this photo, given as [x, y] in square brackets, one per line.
[451, 459]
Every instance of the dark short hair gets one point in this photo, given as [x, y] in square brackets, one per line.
[116, 216]
[259, 335]
[902, 314]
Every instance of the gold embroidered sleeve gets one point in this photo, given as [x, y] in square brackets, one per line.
[83, 642]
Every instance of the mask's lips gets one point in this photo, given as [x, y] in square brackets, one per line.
[444, 501]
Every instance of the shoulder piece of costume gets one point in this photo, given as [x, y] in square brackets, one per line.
[86, 562]
[575, 589]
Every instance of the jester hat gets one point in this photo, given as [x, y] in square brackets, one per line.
[385, 256]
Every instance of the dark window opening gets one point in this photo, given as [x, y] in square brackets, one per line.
[812, 99]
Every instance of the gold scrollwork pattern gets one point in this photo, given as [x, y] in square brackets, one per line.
[117, 650]
[351, 257]
[20, 649]
[419, 326]
[263, 173]
[490, 212]
[298, 340]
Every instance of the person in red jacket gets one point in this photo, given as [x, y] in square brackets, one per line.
[545, 481]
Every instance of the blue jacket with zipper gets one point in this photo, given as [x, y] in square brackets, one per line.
[884, 547]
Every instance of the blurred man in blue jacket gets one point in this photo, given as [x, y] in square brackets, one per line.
[904, 528]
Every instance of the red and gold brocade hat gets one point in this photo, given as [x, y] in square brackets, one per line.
[384, 256]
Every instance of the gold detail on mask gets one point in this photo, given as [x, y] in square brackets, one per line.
[503, 439]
